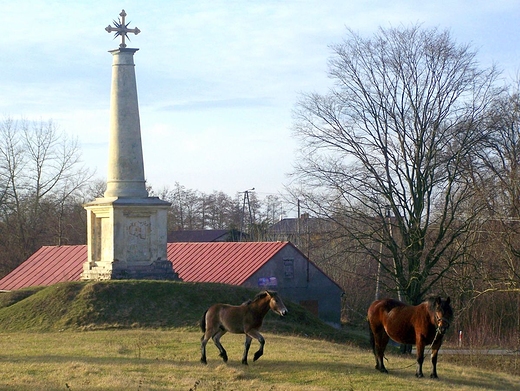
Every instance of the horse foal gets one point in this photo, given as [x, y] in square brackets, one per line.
[242, 319]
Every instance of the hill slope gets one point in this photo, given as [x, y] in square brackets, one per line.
[133, 304]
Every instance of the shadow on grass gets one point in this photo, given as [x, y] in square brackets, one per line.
[452, 376]
[301, 372]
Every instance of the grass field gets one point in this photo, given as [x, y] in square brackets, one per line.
[143, 335]
[169, 360]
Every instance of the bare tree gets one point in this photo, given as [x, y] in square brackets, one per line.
[40, 173]
[220, 211]
[385, 151]
[497, 176]
[95, 189]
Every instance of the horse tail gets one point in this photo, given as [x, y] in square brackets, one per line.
[203, 322]
[372, 338]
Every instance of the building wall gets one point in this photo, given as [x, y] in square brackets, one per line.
[300, 281]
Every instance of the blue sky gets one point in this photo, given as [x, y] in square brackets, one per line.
[217, 80]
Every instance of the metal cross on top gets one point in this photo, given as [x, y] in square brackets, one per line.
[121, 29]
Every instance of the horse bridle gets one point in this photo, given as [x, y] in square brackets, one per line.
[440, 322]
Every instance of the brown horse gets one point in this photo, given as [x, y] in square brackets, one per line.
[243, 319]
[423, 324]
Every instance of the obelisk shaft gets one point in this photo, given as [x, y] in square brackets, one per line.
[125, 161]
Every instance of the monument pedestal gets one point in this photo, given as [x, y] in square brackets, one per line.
[127, 239]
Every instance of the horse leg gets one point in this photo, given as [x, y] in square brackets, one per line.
[203, 343]
[256, 335]
[435, 351]
[216, 340]
[420, 357]
[247, 345]
[381, 340]
[378, 340]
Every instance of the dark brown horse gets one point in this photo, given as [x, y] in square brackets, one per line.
[423, 324]
[243, 319]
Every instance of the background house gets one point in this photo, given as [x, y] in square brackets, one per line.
[278, 266]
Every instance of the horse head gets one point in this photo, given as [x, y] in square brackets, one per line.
[443, 314]
[276, 304]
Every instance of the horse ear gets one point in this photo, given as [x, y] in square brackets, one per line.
[438, 300]
[448, 300]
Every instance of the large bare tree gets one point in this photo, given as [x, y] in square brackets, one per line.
[385, 151]
[497, 176]
[41, 177]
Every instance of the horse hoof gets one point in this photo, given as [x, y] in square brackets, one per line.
[203, 361]
[419, 375]
[434, 376]
[244, 362]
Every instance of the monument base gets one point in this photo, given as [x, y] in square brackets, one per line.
[158, 270]
[127, 239]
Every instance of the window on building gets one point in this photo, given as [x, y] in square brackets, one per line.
[288, 265]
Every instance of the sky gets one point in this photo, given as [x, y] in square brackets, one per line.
[217, 80]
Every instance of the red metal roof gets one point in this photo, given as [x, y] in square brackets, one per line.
[47, 266]
[221, 262]
[224, 262]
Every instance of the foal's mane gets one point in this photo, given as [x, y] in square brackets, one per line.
[263, 294]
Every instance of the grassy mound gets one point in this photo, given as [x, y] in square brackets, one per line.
[138, 304]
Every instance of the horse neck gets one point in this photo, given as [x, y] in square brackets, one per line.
[261, 306]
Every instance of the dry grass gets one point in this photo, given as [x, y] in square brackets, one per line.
[169, 360]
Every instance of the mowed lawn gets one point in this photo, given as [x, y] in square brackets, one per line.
[145, 359]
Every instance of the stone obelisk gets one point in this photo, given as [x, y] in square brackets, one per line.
[125, 160]
[126, 229]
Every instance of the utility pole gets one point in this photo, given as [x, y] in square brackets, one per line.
[246, 198]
